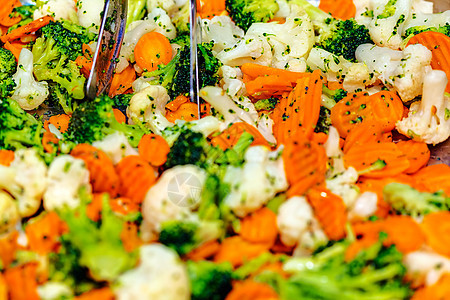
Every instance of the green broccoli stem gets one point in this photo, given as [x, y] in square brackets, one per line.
[377, 165]
[366, 279]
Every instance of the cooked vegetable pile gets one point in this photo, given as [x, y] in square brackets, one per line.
[307, 174]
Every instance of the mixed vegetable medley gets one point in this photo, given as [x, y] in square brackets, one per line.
[306, 176]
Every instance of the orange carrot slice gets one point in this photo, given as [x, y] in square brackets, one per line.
[136, 177]
[152, 49]
[247, 250]
[340, 9]
[260, 227]
[434, 178]
[254, 70]
[384, 107]
[211, 8]
[230, 136]
[177, 102]
[14, 48]
[130, 237]
[5, 13]
[436, 227]
[364, 133]
[439, 290]
[252, 290]
[330, 211]
[305, 164]
[21, 282]
[122, 81]
[300, 110]
[266, 86]
[8, 248]
[61, 122]
[103, 176]
[376, 160]
[205, 251]
[123, 205]
[43, 234]
[187, 111]
[154, 149]
[439, 45]
[98, 294]
[6, 157]
[417, 153]
[26, 29]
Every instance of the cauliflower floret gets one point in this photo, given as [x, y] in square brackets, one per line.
[356, 75]
[225, 106]
[221, 30]
[298, 226]
[386, 21]
[52, 290]
[26, 180]
[148, 106]
[59, 9]
[116, 146]
[334, 153]
[289, 41]
[168, 5]
[9, 214]
[401, 71]
[163, 23]
[89, 13]
[425, 266]
[168, 198]
[427, 19]
[251, 49]
[29, 93]
[231, 81]
[66, 176]
[260, 178]
[364, 206]
[161, 275]
[428, 119]
[344, 185]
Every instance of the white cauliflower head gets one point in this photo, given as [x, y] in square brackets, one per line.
[89, 13]
[356, 75]
[66, 176]
[9, 213]
[221, 30]
[116, 146]
[344, 185]
[173, 197]
[289, 41]
[160, 275]
[232, 81]
[29, 93]
[298, 226]
[163, 23]
[428, 120]
[59, 9]
[148, 106]
[250, 49]
[26, 180]
[425, 266]
[401, 71]
[386, 22]
[252, 185]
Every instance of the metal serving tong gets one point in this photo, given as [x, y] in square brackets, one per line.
[195, 39]
[112, 31]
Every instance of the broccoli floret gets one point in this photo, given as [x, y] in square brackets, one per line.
[410, 32]
[54, 54]
[93, 120]
[375, 273]
[246, 12]
[266, 104]
[182, 39]
[209, 281]
[184, 236]
[175, 75]
[8, 67]
[324, 122]
[121, 101]
[189, 148]
[337, 94]
[407, 200]
[336, 36]
[99, 246]
[18, 129]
